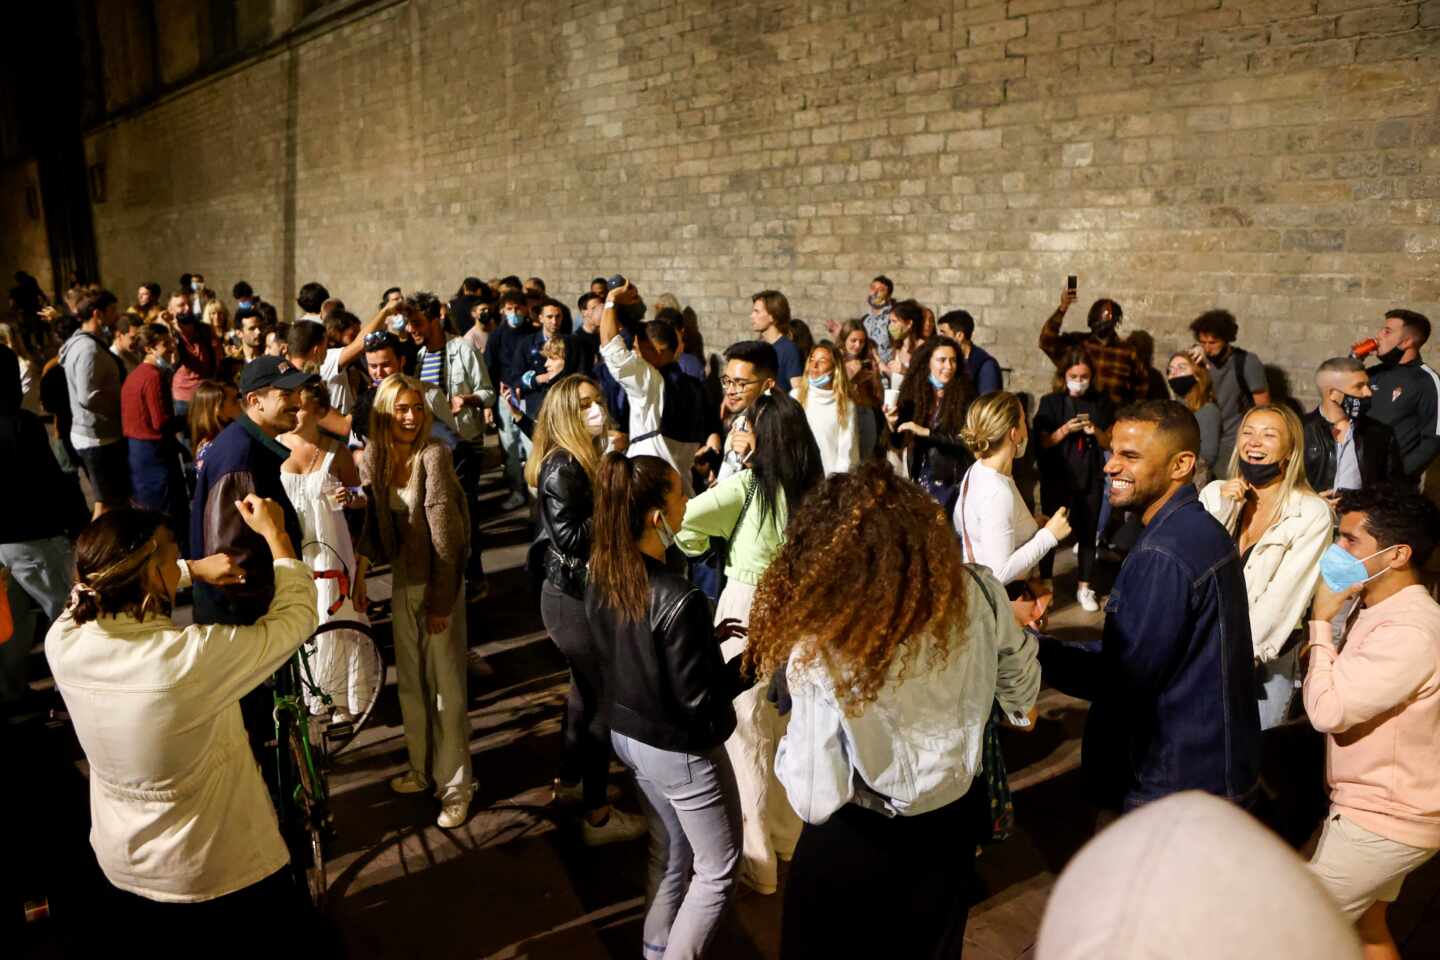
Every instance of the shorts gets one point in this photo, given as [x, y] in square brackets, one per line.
[1358, 867]
[108, 468]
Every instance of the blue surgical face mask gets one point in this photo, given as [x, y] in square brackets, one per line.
[1342, 570]
[513, 319]
[936, 382]
[820, 383]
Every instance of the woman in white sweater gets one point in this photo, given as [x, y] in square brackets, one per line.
[1281, 527]
[824, 392]
[996, 529]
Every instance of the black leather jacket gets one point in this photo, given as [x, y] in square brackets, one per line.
[665, 682]
[565, 513]
[1375, 451]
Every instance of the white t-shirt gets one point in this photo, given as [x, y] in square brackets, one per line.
[1002, 533]
[645, 389]
[342, 398]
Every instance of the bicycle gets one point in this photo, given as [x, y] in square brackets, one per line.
[343, 667]
[303, 794]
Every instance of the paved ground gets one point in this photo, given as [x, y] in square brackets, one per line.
[515, 882]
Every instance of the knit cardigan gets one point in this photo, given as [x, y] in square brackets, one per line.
[431, 541]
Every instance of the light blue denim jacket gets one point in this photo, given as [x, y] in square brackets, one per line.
[918, 745]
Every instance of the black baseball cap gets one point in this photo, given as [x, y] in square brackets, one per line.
[265, 372]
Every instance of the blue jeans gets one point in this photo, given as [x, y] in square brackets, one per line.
[515, 445]
[39, 572]
[694, 811]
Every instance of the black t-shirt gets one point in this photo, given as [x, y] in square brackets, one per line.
[1077, 460]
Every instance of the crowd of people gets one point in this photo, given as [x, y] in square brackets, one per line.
[800, 585]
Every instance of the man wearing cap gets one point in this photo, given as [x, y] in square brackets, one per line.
[246, 459]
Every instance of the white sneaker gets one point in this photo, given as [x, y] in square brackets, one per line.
[409, 783]
[618, 828]
[1087, 599]
[515, 501]
[454, 813]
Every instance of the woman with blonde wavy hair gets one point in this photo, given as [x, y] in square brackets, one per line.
[418, 522]
[891, 680]
[833, 415]
[1281, 527]
[996, 529]
[568, 440]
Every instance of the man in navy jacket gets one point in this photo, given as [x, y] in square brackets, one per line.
[246, 459]
[1172, 686]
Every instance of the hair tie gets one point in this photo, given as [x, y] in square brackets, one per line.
[81, 591]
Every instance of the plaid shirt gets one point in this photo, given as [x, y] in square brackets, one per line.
[1119, 372]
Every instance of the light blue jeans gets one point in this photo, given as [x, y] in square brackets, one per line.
[693, 807]
[1275, 688]
[39, 572]
[515, 445]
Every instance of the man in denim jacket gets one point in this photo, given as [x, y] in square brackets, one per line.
[1172, 684]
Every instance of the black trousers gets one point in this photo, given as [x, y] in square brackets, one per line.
[1084, 507]
[585, 753]
[469, 461]
[866, 885]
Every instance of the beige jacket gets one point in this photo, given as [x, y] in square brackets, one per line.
[430, 542]
[178, 809]
[1283, 566]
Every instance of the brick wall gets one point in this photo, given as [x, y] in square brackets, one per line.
[1280, 158]
[24, 243]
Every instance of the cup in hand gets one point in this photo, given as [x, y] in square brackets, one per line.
[335, 493]
[892, 399]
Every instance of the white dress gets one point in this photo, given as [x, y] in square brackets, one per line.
[326, 546]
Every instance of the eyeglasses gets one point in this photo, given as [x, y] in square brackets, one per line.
[726, 383]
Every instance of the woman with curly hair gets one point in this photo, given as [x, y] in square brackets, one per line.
[891, 678]
[925, 425]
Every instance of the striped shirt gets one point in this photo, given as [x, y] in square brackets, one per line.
[430, 368]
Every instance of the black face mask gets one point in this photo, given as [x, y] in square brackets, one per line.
[1391, 357]
[1103, 331]
[1182, 386]
[1259, 474]
[1354, 407]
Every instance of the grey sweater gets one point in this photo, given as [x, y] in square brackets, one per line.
[92, 376]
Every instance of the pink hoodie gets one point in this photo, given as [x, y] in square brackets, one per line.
[1379, 699]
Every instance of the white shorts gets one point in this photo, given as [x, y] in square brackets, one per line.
[1358, 867]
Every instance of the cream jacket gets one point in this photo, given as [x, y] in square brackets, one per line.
[1283, 566]
[178, 809]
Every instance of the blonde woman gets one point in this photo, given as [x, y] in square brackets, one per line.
[1190, 383]
[824, 392]
[1281, 527]
[568, 440]
[996, 529]
[417, 521]
[218, 319]
[29, 376]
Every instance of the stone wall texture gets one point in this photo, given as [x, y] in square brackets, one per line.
[1279, 158]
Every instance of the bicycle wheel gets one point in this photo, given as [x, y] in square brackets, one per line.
[311, 797]
[345, 676]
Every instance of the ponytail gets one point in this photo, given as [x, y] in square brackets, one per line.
[626, 491]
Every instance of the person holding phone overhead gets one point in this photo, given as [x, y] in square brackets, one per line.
[1120, 373]
[1073, 428]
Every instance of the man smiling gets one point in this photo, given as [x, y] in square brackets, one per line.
[1172, 685]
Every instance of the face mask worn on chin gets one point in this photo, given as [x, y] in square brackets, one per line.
[1341, 570]
[936, 382]
[1354, 407]
[1077, 388]
[1182, 386]
[1391, 357]
[875, 301]
[1258, 474]
[821, 383]
[595, 419]
[1103, 331]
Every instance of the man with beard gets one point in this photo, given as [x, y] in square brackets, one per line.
[1237, 375]
[1407, 391]
[1120, 374]
[1172, 685]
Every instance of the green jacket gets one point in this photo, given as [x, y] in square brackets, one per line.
[714, 513]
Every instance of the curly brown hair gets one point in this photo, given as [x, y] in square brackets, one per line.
[809, 601]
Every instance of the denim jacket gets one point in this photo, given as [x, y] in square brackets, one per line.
[1172, 686]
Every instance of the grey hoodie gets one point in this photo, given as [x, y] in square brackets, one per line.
[92, 376]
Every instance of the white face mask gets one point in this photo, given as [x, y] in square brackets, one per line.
[595, 419]
[1077, 388]
[1021, 446]
[667, 536]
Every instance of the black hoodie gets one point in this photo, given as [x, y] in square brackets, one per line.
[1407, 400]
[32, 488]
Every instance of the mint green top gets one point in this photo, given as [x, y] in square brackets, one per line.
[713, 514]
